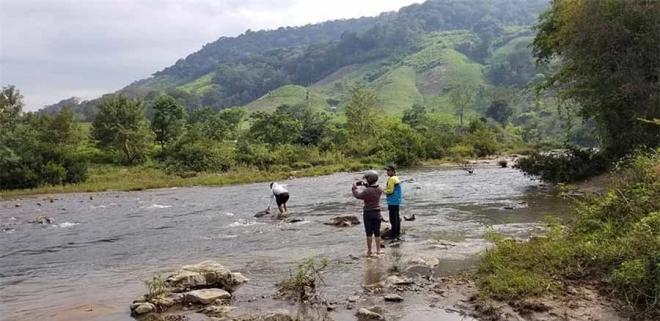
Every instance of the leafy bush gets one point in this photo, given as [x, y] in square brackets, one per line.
[53, 173]
[400, 144]
[482, 138]
[41, 149]
[461, 151]
[254, 153]
[156, 287]
[301, 165]
[569, 165]
[193, 152]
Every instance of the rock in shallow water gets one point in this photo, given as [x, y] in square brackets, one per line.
[344, 221]
[141, 308]
[395, 280]
[393, 298]
[366, 314]
[208, 274]
[206, 296]
[42, 219]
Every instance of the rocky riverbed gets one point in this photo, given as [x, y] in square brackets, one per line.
[90, 262]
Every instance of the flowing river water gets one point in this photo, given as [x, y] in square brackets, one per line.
[92, 262]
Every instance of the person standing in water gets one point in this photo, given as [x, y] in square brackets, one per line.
[371, 195]
[393, 193]
[281, 195]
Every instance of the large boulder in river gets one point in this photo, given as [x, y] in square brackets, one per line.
[344, 221]
[208, 274]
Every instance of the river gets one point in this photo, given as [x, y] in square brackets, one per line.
[92, 262]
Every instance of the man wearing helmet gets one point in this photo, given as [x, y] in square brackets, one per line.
[371, 195]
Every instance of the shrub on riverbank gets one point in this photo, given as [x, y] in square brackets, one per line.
[561, 166]
[302, 284]
[614, 239]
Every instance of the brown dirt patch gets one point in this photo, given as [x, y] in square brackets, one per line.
[431, 82]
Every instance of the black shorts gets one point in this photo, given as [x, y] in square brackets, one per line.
[372, 220]
[281, 198]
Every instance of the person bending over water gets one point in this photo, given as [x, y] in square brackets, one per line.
[371, 195]
[281, 195]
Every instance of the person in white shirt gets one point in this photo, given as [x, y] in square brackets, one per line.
[281, 195]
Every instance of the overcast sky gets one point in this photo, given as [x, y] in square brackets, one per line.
[55, 49]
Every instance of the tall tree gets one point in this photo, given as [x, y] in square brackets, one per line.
[314, 124]
[499, 110]
[11, 105]
[462, 98]
[415, 117]
[362, 119]
[607, 53]
[362, 113]
[120, 125]
[169, 119]
[275, 128]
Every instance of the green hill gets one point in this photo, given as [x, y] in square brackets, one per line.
[411, 56]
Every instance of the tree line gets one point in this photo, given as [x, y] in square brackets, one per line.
[42, 149]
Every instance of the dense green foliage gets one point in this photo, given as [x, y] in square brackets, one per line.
[614, 238]
[120, 126]
[608, 63]
[37, 149]
[569, 165]
[169, 119]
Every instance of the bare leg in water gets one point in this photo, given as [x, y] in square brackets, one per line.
[378, 251]
[369, 239]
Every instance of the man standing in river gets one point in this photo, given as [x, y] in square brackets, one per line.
[393, 193]
[371, 195]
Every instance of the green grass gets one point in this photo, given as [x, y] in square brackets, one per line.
[433, 47]
[120, 178]
[461, 70]
[397, 90]
[290, 95]
[158, 83]
[199, 85]
[514, 45]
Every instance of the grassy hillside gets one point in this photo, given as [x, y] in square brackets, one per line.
[289, 95]
[397, 90]
[425, 76]
[200, 85]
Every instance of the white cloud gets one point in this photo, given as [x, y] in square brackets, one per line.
[54, 49]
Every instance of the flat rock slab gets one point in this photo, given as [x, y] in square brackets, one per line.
[429, 261]
[393, 298]
[206, 296]
[395, 280]
[344, 221]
